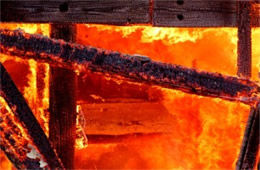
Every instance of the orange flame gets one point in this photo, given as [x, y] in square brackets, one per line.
[208, 132]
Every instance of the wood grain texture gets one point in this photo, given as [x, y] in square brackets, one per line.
[63, 86]
[244, 49]
[118, 12]
[175, 13]
[197, 13]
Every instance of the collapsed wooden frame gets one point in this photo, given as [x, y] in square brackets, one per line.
[60, 53]
[176, 13]
[23, 114]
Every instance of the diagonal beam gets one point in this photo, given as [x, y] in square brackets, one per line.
[22, 138]
[135, 68]
[250, 145]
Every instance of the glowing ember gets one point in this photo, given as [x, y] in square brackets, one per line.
[16, 142]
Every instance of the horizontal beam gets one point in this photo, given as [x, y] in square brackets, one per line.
[199, 13]
[133, 67]
[117, 12]
[18, 123]
[174, 13]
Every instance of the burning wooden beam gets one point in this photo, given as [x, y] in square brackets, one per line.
[63, 88]
[19, 123]
[250, 145]
[244, 39]
[133, 67]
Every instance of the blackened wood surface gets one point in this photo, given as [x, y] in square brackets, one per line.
[197, 13]
[117, 12]
[17, 103]
[40, 84]
[41, 75]
[133, 67]
[63, 88]
[244, 61]
[250, 144]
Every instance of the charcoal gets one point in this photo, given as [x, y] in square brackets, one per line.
[136, 68]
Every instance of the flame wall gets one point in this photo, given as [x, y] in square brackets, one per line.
[207, 132]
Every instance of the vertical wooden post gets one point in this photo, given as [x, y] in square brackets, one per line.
[41, 75]
[244, 38]
[62, 125]
[250, 144]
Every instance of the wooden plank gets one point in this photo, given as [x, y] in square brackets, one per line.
[118, 12]
[22, 117]
[198, 13]
[127, 118]
[62, 124]
[244, 46]
[250, 145]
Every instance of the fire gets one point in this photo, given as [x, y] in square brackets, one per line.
[208, 132]
[15, 139]
[209, 49]
[29, 89]
[38, 105]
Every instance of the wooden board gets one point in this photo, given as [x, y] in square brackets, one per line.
[118, 12]
[175, 13]
[127, 118]
[198, 13]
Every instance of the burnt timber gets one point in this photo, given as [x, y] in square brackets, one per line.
[180, 13]
[135, 68]
[63, 88]
[250, 145]
[244, 39]
[23, 113]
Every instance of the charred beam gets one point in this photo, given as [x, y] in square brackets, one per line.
[135, 68]
[250, 145]
[25, 117]
[63, 88]
[15, 144]
[41, 112]
[244, 39]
